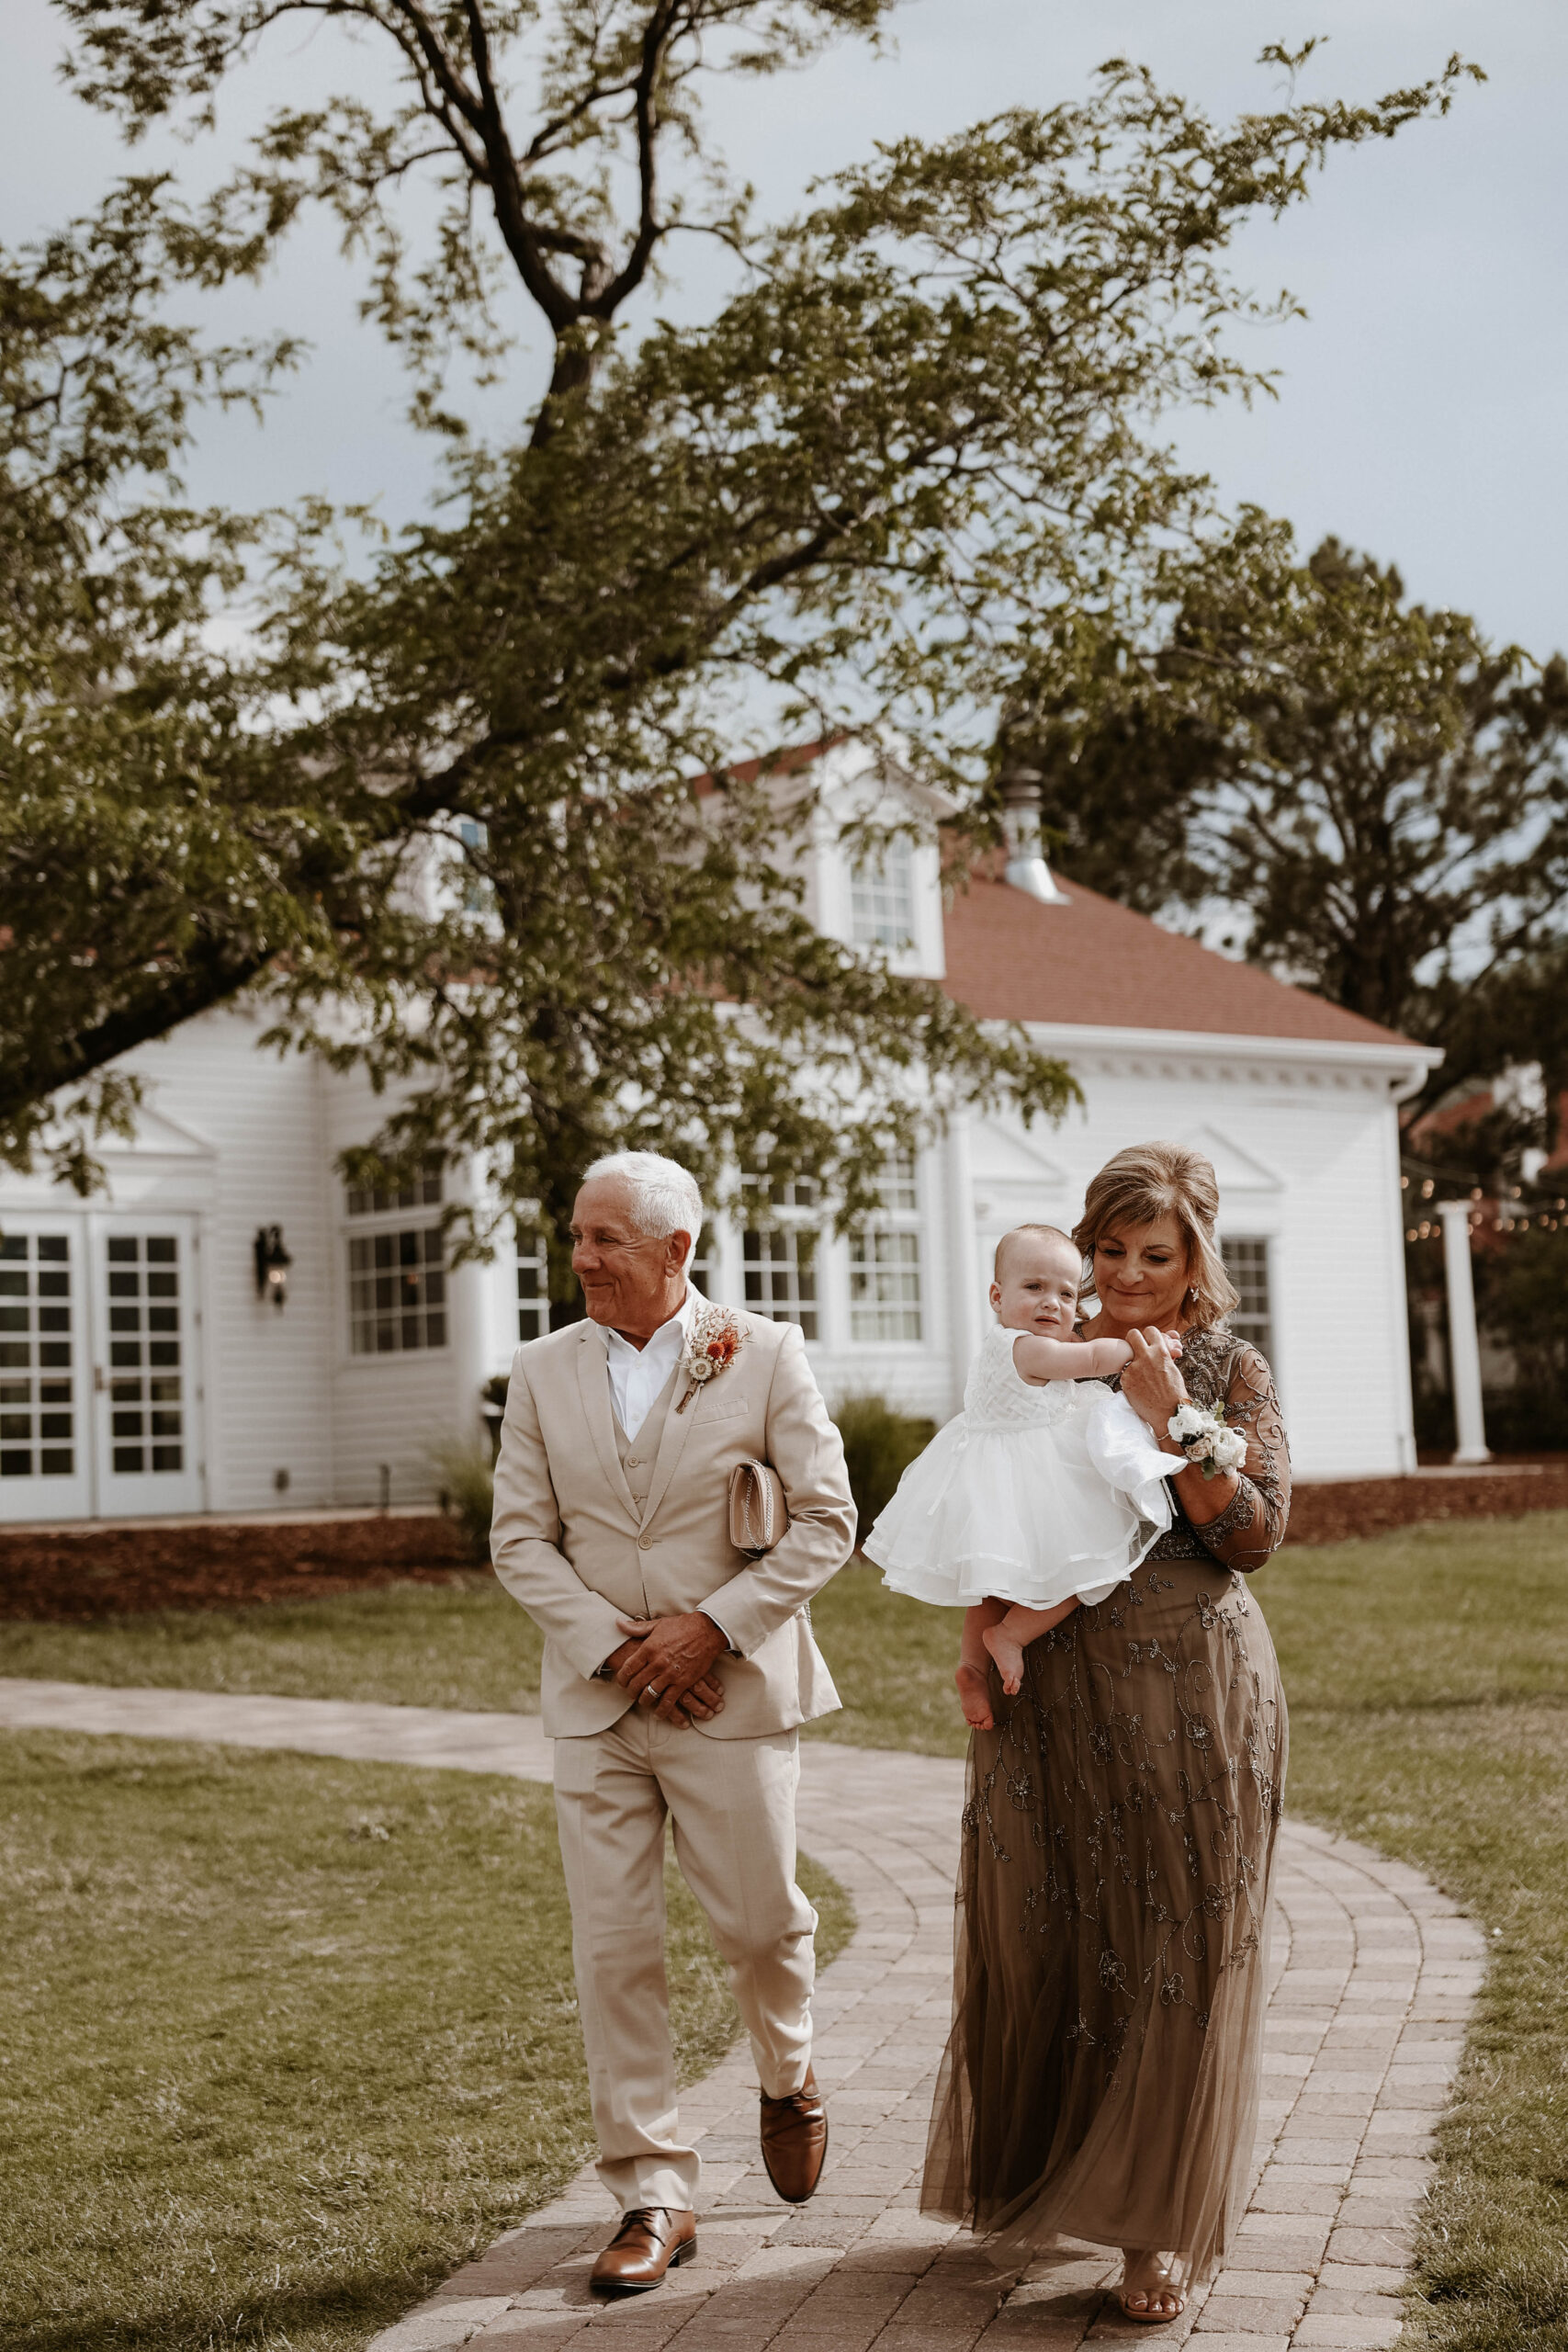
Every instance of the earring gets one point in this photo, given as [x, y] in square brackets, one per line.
[1191, 1292]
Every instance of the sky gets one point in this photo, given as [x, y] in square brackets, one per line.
[1422, 402]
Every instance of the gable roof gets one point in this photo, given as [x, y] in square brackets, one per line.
[1094, 964]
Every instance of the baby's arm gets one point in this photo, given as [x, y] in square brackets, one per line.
[1039, 1359]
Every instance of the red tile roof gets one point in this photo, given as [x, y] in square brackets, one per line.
[1095, 964]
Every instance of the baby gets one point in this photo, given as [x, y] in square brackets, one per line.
[1046, 1491]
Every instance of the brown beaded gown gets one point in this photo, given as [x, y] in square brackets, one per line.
[1101, 2080]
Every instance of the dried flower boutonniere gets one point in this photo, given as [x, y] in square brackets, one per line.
[712, 1345]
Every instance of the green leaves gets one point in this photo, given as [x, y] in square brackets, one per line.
[1379, 792]
[914, 452]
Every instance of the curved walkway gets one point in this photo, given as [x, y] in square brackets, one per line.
[1374, 1973]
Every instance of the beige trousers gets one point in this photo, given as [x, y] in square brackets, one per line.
[732, 1803]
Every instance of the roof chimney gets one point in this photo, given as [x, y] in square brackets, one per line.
[1026, 866]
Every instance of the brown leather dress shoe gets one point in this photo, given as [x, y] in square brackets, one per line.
[795, 2140]
[651, 2240]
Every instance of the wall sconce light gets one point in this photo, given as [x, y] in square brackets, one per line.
[273, 1262]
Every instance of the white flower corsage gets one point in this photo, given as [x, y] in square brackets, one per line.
[1202, 1432]
[712, 1345]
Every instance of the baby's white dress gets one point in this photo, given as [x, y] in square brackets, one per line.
[1032, 1494]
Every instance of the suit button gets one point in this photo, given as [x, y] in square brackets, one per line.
[645, 1543]
[633, 1461]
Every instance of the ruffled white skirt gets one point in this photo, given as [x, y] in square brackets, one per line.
[1038, 1514]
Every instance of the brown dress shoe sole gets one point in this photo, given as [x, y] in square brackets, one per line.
[683, 2253]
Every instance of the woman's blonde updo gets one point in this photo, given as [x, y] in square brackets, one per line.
[1154, 1179]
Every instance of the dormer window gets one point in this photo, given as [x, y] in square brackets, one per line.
[882, 897]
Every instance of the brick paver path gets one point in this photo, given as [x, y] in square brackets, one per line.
[1373, 1976]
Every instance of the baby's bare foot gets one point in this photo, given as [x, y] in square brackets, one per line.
[975, 1697]
[1009, 1656]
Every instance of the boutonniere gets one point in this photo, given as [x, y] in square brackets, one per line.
[712, 1345]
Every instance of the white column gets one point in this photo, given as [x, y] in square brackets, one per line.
[1464, 1348]
[964, 1274]
[470, 1304]
[727, 1281]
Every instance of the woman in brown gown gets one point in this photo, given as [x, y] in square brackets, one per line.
[1101, 2077]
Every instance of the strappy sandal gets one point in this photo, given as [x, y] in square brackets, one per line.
[1168, 2281]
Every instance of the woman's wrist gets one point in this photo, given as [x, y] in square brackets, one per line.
[1203, 1498]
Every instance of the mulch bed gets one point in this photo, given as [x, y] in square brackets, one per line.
[70, 1575]
[1375, 1506]
[75, 1575]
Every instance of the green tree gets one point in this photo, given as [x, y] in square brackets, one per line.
[158, 846]
[1378, 793]
[926, 410]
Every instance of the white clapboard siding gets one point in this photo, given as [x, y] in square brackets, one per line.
[1313, 1160]
[1302, 1130]
[268, 1403]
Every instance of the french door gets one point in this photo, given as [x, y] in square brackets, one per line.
[99, 1376]
[146, 1430]
[46, 1370]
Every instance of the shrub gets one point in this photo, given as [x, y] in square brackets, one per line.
[879, 1445]
[466, 1478]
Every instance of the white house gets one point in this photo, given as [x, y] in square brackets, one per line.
[145, 1370]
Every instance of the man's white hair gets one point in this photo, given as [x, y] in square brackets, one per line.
[666, 1197]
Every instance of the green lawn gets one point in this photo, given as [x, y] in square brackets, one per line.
[1428, 1682]
[1428, 1673]
[287, 2039]
[463, 1644]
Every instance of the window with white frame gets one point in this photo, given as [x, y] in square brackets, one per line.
[705, 1261]
[882, 897]
[421, 1191]
[533, 1284]
[1246, 1264]
[397, 1270]
[884, 1264]
[778, 1252]
[37, 1420]
[478, 894]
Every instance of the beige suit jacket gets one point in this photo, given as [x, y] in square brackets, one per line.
[569, 1542]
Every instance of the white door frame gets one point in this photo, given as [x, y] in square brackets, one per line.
[46, 1407]
[146, 1363]
[95, 1487]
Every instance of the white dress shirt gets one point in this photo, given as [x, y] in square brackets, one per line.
[637, 1375]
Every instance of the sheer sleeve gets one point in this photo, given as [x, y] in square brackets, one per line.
[1253, 1525]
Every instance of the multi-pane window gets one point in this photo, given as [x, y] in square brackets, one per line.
[882, 897]
[37, 1431]
[705, 1261]
[533, 1284]
[397, 1291]
[478, 896]
[884, 1262]
[421, 1191]
[778, 1252]
[146, 1376]
[397, 1274]
[1246, 1264]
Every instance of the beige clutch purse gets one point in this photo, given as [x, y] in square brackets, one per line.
[758, 1512]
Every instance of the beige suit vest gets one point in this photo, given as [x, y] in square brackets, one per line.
[639, 1454]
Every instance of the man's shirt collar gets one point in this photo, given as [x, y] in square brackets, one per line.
[679, 1323]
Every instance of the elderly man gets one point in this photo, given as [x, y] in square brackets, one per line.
[676, 1671]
